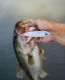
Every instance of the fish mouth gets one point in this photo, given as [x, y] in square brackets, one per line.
[22, 27]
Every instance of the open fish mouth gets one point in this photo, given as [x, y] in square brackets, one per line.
[27, 43]
[23, 27]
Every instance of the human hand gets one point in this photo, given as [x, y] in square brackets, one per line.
[40, 25]
[57, 30]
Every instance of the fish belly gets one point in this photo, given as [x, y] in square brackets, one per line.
[37, 61]
[36, 67]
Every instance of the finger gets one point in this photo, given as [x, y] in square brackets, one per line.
[30, 26]
[46, 39]
[36, 39]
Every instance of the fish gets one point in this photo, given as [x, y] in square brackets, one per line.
[28, 53]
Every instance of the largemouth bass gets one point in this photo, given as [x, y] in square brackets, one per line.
[29, 54]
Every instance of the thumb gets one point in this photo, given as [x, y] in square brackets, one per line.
[45, 39]
[43, 24]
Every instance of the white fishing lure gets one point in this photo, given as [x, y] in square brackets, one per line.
[36, 34]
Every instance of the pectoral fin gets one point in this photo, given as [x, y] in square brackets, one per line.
[43, 74]
[42, 54]
[20, 73]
